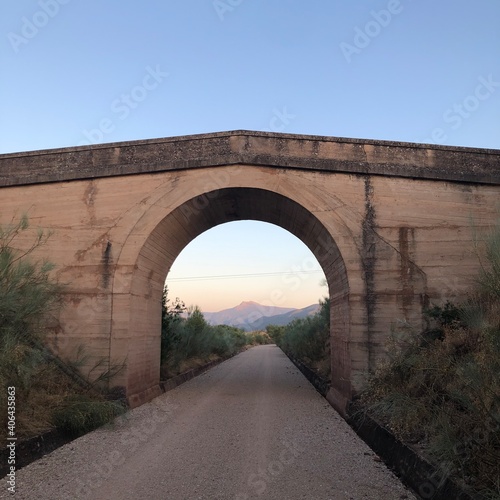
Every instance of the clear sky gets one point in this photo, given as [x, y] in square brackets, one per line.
[247, 260]
[82, 72]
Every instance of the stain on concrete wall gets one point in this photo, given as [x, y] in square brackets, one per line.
[368, 259]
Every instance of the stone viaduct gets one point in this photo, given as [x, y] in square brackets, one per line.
[390, 223]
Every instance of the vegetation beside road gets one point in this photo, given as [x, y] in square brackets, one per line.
[48, 392]
[191, 342]
[307, 339]
[440, 389]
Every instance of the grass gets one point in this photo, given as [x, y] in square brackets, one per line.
[82, 413]
[440, 389]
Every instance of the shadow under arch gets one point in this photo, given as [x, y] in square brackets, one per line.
[201, 213]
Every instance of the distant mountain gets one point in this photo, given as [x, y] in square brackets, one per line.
[284, 319]
[253, 316]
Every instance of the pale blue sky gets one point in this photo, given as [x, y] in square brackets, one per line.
[79, 72]
[247, 260]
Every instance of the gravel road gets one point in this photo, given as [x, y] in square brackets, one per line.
[252, 427]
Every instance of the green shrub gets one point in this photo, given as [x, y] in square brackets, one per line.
[189, 341]
[79, 414]
[276, 333]
[170, 321]
[308, 339]
[259, 338]
[489, 277]
[441, 388]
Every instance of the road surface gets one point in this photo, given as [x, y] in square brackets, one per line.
[252, 427]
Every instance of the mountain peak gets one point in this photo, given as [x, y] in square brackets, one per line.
[251, 315]
[246, 303]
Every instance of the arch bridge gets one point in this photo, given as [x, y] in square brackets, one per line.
[389, 223]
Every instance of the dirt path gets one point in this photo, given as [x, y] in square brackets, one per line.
[252, 427]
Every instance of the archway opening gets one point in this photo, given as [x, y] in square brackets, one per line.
[246, 261]
[247, 280]
[197, 215]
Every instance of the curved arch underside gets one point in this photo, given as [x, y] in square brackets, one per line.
[203, 212]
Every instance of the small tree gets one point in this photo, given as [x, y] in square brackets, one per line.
[27, 296]
[27, 293]
[48, 391]
[170, 319]
[276, 333]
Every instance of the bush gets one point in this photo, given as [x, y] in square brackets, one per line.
[189, 342]
[308, 339]
[79, 414]
[259, 338]
[441, 388]
[276, 333]
[27, 297]
[170, 319]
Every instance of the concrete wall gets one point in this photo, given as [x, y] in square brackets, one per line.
[389, 243]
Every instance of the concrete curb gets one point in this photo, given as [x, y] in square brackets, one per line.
[426, 480]
[172, 383]
[319, 383]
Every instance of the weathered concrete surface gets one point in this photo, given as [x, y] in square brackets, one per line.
[389, 223]
[242, 147]
[251, 428]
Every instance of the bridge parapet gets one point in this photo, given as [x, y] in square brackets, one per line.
[305, 152]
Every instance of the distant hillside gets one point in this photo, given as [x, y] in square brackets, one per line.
[284, 319]
[253, 316]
